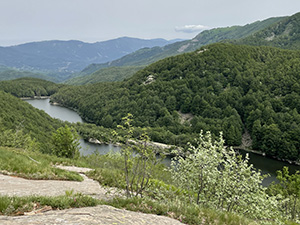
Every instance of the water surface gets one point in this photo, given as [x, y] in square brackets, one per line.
[66, 114]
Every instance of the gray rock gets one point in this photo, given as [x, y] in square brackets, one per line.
[101, 214]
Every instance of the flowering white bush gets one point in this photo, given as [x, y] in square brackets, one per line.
[217, 176]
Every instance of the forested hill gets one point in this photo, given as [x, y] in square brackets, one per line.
[220, 87]
[29, 87]
[283, 34]
[18, 117]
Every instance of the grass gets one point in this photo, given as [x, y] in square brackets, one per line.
[12, 206]
[110, 170]
[34, 165]
[185, 213]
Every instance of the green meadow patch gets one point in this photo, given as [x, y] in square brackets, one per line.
[34, 165]
[20, 205]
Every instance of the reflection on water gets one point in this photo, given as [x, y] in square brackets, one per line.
[90, 148]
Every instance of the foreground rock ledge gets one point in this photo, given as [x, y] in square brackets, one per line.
[89, 215]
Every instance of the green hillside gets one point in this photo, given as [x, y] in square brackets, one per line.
[22, 118]
[221, 87]
[283, 34]
[106, 75]
[29, 87]
[228, 33]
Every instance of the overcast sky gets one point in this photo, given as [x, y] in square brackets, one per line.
[97, 20]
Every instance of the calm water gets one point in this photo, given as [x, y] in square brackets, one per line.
[66, 114]
[269, 166]
[55, 111]
[266, 165]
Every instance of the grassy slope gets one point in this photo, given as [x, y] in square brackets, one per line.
[34, 165]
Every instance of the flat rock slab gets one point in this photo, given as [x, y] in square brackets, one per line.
[16, 186]
[74, 169]
[90, 215]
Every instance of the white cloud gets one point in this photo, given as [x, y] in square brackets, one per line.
[191, 28]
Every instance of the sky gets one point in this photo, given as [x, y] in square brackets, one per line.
[24, 21]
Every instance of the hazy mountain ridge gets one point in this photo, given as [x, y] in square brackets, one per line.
[7, 73]
[147, 56]
[110, 74]
[66, 57]
[283, 34]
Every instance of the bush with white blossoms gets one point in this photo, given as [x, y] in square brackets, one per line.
[218, 177]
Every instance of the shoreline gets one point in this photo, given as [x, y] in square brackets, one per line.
[159, 146]
[35, 97]
[296, 163]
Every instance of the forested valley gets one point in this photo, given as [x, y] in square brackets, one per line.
[222, 87]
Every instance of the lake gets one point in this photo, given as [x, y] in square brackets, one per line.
[66, 114]
[266, 165]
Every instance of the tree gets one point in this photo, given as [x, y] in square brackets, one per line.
[219, 177]
[139, 159]
[65, 142]
[288, 189]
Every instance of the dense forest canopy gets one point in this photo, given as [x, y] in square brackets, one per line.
[19, 117]
[223, 87]
[29, 87]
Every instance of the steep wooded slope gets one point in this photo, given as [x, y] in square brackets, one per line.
[223, 87]
[18, 115]
[283, 34]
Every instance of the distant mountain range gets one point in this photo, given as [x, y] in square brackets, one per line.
[67, 60]
[147, 56]
[281, 32]
[65, 57]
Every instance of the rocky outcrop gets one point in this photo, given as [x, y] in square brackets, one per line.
[101, 214]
